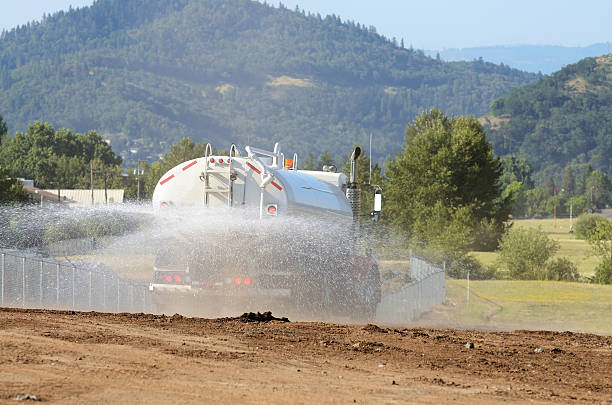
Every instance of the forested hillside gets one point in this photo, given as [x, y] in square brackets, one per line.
[145, 73]
[564, 119]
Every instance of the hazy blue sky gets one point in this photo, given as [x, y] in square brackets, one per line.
[429, 24]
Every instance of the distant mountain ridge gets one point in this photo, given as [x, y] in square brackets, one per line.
[145, 73]
[530, 58]
[565, 118]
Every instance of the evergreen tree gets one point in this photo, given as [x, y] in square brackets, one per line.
[325, 160]
[445, 177]
[569, 182]
[308, 163]
[549, 186]
[11, 190]
[3, 130]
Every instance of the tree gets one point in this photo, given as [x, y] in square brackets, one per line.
[523, 253]
[324, 160]
[600, 240]
[11, 190]
[516, 169]
[598, 188]
[549, 186]
[446, 162]
[568, 184]
[56, 159]
[308, 162]
[3, 130]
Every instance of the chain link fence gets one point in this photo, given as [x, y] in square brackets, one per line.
[426, 289]
[31, 281]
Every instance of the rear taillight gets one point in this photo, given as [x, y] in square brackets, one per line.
[243, 281]
[171, 277]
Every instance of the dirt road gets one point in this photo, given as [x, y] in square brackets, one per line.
[74, 358]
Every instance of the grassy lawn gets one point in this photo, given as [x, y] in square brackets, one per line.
[576, 250]
[512, 304]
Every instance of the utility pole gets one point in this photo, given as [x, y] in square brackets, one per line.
[137, 172]
[91, 181]
[370, 177]
[555, 208]
[105, 188]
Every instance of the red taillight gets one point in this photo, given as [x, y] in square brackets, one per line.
[220, 160]
[228, 160]
[168, 278]
[163, 204]
[177, 279]
[247, 281]
[272, 209]
[237, 280]
[212, 160]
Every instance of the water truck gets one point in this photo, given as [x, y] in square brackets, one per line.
[290, 238]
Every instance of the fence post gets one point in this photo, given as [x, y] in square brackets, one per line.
[57, 284]
[40, 289]
[90, 287]
[73, 292]
[2, 263]
[23, 282]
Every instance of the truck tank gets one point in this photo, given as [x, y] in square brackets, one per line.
[310, 270]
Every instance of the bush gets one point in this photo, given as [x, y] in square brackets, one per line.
[561, 269]
[586, 224]
[603, 272]
[523, 253]
[459, 268]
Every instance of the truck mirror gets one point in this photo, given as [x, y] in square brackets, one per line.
[378, 199]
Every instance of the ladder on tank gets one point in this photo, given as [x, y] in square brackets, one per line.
[219, 180]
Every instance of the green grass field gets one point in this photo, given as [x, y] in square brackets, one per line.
[576, 250]
[509, 304]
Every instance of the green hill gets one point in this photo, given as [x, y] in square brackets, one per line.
[562, 119]
[145, 73]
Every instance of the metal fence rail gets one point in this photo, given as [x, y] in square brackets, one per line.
[426, 290]
[30, 281]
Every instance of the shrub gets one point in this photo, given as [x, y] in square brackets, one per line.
[523, 253]
[600, 240]
[561, 269]
[459, 268]
[586, 224]
[603, 272]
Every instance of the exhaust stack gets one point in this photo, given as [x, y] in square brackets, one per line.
[353, 193]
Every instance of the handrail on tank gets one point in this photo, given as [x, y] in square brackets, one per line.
[233, 151]
[275, 155]
[208, 151]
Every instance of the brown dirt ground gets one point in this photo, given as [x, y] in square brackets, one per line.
[73, 357]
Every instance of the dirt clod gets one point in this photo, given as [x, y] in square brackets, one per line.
[261, 317]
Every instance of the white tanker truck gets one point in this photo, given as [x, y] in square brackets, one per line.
[315, 270]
